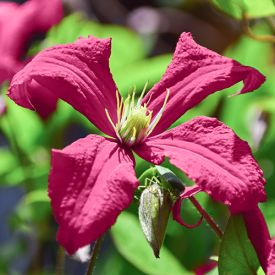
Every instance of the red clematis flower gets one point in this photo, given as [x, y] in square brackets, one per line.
[93, 179]
[18, 23]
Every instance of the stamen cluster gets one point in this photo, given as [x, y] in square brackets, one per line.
[134, 120]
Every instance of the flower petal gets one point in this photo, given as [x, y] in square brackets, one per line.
[90, 183]
[187, 193]
[195, 73]
[258, 234]
[77, 73]
[42, 100]
[214, 157]
[18, 23]
[48, 13]
[271, 259]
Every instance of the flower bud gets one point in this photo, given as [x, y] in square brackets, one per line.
[154, 210]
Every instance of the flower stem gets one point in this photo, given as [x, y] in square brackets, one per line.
[208, 218]
[249, 33]
[60, 261]
[94, 256]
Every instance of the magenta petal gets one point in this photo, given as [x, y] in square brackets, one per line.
[271, 259]
[188, 192]
[42, 100]
[205, 268]
[48, 13]
[195, 73]
[18, 23]
[214, 157]
[77, 73]
[91, 182]
[258, 234]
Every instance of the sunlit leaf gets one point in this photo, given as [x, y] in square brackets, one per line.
[40, 195]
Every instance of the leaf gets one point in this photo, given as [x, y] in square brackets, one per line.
[131, 243]
[253, 8]
[260, 271]
[237, 255]
[40, 195]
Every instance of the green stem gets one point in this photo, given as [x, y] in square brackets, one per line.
[94, 256]
[60, 261]
[207, 217]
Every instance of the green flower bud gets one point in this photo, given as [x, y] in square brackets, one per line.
[154, 210]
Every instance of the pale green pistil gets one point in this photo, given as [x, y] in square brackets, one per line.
[134, 121]
[135, 125]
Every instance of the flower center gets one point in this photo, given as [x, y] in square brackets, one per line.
[134, 121]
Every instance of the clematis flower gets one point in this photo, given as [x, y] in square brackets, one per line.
[18, 23]
[92, 180]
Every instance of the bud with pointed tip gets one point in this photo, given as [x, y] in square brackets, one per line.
[154, 210]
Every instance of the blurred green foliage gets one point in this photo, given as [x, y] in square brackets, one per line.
[253, 8]
[25, 155]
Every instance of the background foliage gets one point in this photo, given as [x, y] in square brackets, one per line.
[144, 34]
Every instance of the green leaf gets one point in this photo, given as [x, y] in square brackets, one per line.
[131, 243]
[253, 8]
[40, 195]
[260, 271]
[237, 255]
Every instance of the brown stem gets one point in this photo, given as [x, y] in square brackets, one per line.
[248, 31]
[208, 218]
[94, 256]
